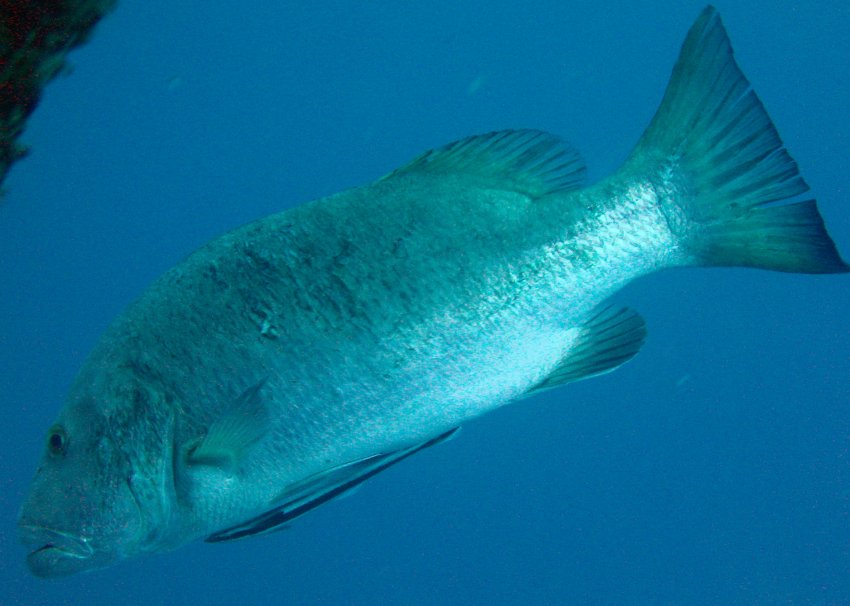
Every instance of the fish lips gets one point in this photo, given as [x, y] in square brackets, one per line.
[58, 553]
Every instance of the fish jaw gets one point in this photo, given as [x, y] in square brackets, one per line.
[57, 553]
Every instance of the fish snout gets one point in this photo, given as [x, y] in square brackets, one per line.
[55, 553]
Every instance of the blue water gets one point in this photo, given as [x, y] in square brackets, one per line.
[714, 469]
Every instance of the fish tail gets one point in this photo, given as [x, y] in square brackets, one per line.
[724, 170]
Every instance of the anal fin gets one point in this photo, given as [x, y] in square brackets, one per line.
[609, 339]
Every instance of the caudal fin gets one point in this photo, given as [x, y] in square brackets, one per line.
[721, 154]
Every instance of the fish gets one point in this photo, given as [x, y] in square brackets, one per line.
[284, 363]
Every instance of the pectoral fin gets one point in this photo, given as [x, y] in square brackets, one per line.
[609, 339]
[307, 494]
[231, 436]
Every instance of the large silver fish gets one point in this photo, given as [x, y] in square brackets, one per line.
[285, 362]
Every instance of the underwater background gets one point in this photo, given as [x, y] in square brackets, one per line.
[712, 469]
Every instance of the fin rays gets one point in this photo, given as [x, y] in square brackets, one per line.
[531, 162]
[730, 167]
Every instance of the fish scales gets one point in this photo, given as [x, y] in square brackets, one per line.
[404, 319]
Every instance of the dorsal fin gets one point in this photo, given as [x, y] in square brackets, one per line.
[609, 339]
[531, 162]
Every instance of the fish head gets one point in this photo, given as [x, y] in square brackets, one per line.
[87, 506]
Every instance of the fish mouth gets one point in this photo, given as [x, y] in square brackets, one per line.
[58, 553]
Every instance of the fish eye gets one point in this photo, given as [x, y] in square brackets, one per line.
[57, 440]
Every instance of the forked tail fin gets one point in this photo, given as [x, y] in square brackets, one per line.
[727, 168]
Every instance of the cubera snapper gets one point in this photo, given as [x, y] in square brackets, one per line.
[286, 362]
